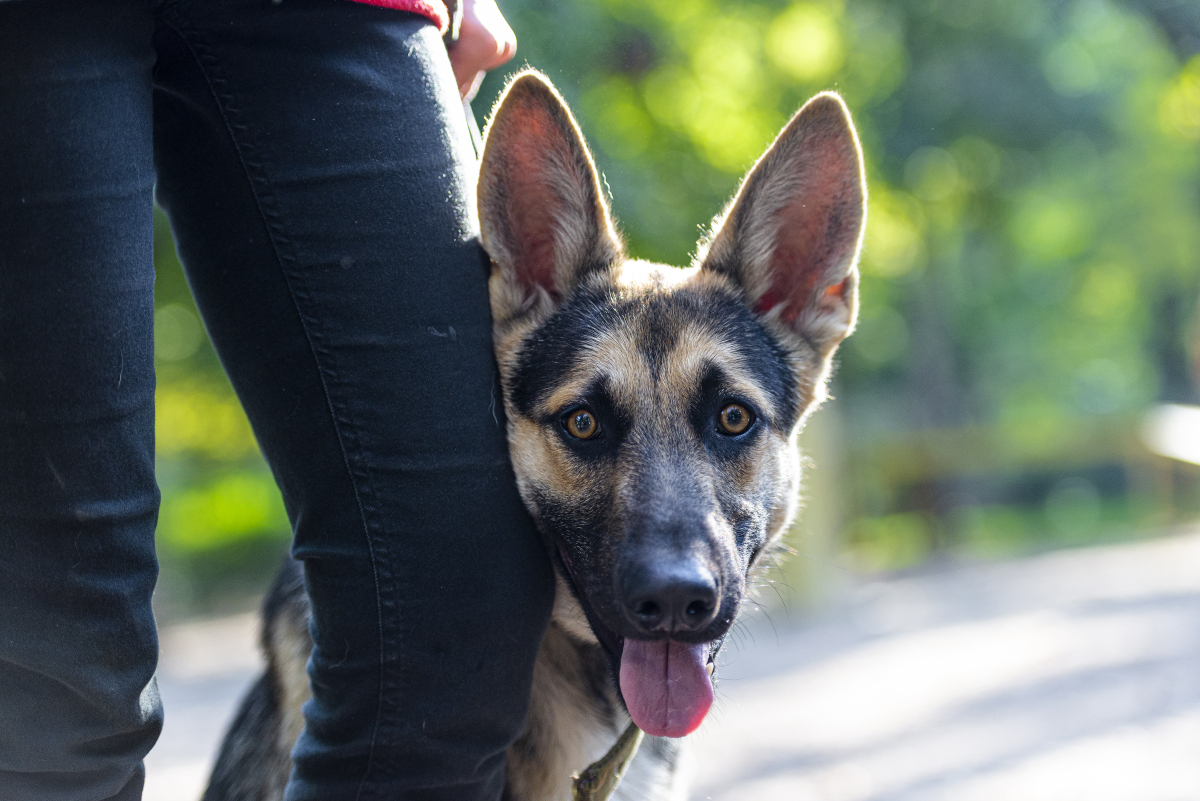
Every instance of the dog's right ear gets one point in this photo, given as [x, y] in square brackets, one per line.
[792, 235]
[542, 213]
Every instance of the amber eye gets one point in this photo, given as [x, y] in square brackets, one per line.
[581, 424]
[734, 418]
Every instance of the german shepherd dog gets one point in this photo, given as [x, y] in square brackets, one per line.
[652, 422]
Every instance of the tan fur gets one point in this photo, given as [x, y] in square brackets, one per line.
[563, 734]
[291, 645]
[780, 264]
[771, 246]
[776, 225]
[563, 731]
[543, 462]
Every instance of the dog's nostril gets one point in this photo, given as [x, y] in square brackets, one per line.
[648, 610]
[672, 598]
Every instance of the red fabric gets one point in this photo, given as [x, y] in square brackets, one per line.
[433, 9]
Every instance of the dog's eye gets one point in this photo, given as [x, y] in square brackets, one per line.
[581, 424]
[734, 419]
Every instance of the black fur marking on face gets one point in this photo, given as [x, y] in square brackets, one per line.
[715, 394]
[749, 530]
[760, 354]
[575, 523]
[555, 349]
[572, 532]
[728, 318]
[613, 423]
[661, 332]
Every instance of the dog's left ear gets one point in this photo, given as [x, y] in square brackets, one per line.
[542, 214]
[790, 238]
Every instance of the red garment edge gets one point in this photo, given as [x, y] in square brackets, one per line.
[435, 10]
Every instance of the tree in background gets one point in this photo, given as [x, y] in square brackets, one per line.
[1030, 270]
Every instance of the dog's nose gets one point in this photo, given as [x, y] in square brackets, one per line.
[671, 598]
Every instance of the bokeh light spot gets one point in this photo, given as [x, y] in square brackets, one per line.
[616, 114]
[881, 337]
[931, 173]
[804, 42]
[1071, 70]
[177, 332]
[894, 244]
[1179, 111]
[1049, 228]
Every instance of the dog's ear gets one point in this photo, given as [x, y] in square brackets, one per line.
[790, 238]
[542, 213]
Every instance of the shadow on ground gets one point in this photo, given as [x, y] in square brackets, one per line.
[1070, 676]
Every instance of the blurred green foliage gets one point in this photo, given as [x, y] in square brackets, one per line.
[222, 528]
[1030, 265]
[1029, 273]
[1032, 165]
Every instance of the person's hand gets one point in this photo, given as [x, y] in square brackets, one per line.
[484, 42]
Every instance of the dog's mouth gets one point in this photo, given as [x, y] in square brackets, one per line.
[666, 684]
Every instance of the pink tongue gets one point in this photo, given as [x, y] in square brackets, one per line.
[666, 686]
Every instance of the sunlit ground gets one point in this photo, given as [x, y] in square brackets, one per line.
[1073, 676]
[1069, 676]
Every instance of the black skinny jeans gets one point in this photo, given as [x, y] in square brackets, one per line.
[317, 170]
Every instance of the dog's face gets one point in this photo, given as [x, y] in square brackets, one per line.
[653, 410]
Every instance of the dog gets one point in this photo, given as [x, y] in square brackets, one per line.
[652, 421]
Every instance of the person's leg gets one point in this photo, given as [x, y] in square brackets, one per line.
[78, 703]
[317, 170]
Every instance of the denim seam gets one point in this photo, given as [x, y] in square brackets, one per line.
[264, 197]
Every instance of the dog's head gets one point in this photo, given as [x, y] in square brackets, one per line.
[653, 410]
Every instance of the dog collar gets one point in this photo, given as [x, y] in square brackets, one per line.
[601, 778]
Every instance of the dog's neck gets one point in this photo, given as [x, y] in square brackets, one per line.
[576, 715]
[602, 777]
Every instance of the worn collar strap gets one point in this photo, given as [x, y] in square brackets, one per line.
[601, 778]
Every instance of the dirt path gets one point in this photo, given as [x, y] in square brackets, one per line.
[1073, 676]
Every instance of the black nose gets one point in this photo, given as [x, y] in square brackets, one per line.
[671, 597]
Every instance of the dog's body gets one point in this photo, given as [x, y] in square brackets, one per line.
[652, 421]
